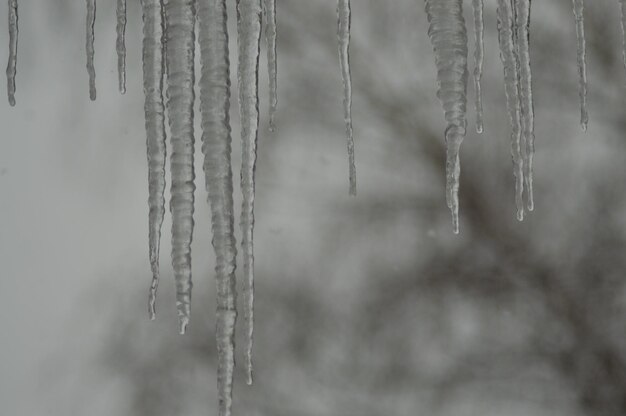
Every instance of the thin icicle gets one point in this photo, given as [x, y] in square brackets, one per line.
[343, 34]
[479, 33]
[622, 4]
[579, 8]
[180, 17]
[448, 36]
[121, 44]
[11, 67]
[216, 146]
[248, 40]
[155, 132]
[91, 70]
[508, 55]
[526, 97]
[272, 67]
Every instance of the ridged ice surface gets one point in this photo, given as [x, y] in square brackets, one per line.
[120, 44]
[91, 70]
[216, 146]
[508, 54]
[180, 19]
[449, 39]
[479, 33]
[526, 98]
[272, 65]
[343, 34]
[12, 65]
[155, 132]
[248, 41]
[579, 8]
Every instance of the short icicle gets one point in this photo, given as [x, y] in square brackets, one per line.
[448, 36]
[526, 97]
[155, 132]
[579, 9]
[120, 44]
[508, 55]
[216, 147]
[91, 70]
[180, 19]
[248, 40]
[479, 53]
[272, 66]
[343, 34]
[12, 65]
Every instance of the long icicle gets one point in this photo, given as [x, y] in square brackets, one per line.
[526, 97]
[155, 132]
[579, 9]
[180, 17]
[508, 55]
[448, 36]
[91, 21]
[216, 146]
[343, 34]
[11, 67]
[272, 66]
[622, 4]
[248, 40]
[120, 44]
[479, 53]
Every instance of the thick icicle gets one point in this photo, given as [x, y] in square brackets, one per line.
[622, 4]
[155, 131]
[526, 97]
[180, 17]
[343, 34]
[91, 70]
[508, 55]
[121, 44]
[11, 67]
[272, 67]
[579, 8]
[216, 146]
[479, 32]
[249, 35]
[449, 39]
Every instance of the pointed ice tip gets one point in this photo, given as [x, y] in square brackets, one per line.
[249, 377]
[520, 215]
[183, 322]
[583, 125]
[479, 128]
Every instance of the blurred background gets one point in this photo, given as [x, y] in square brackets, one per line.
[366, 305]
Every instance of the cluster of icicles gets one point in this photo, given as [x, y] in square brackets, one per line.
[169, 29]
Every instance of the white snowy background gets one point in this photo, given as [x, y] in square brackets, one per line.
[366, 305]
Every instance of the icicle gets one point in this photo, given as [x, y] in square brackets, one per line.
[155, 131]
[272, 67]
[180, 16]
[526, 97]
[343, 33]
[622, 4]
[121, 44]
[479, 29]
[449, 38]
[216, 146]
[249, 35]
[91, 20]
[11, 67]
[579, 8]
[508, 55]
